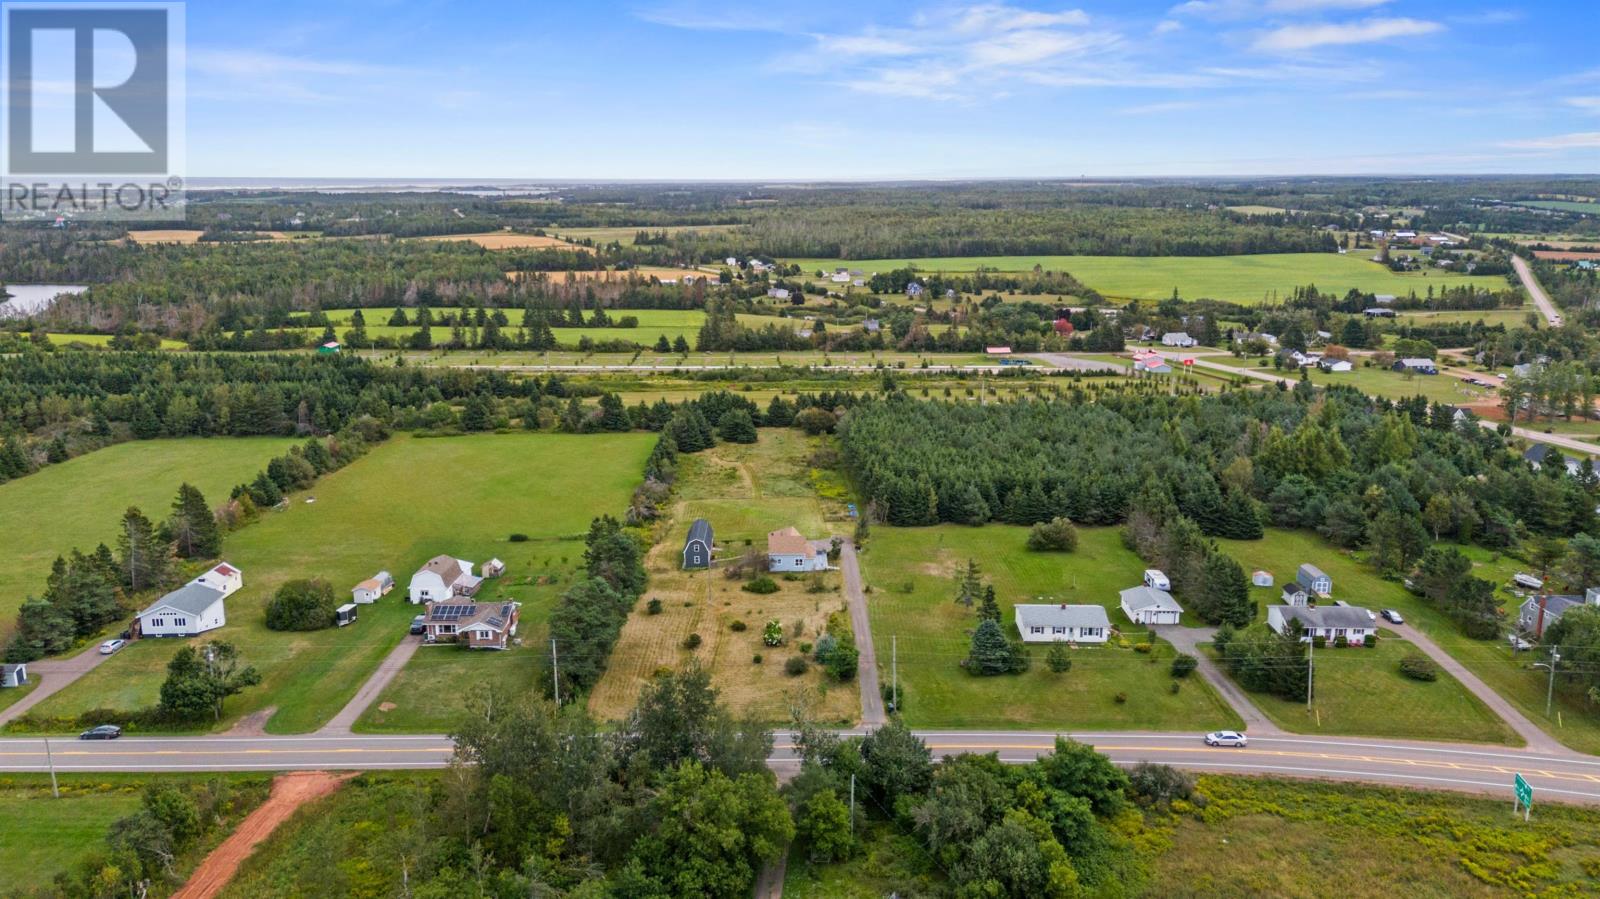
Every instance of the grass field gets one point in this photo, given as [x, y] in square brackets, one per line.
[671, 361]
[911, 572]
[1361, 691]
[379, 513]
[1242, 279]
[100, 340]
[1563, 206]
[508, 240]
[78, 502]
[42, 836]
[745, 491]
[653, 325]
[1511, 318]
[625, 235]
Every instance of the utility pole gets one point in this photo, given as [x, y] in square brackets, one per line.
[1311, 653]
[555, 671]
[894, 668]
[852, 806]
[1550, 691]
[51, 761]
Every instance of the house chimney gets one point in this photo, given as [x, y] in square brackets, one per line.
[1538, 629]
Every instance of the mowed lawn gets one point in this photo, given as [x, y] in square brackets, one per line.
[407, 501]
[1240, 279]
[1360, 691]
[41, 837]
[653, 325]
[79, 502]
[911, 573]
[745, 491]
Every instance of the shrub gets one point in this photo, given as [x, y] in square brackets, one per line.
[302, 605]
[796, 666]
[692, 641]
[738, 627]
[1341, 642]
[519, 538]
[1120, 698]
[1372, 641]
[1055, 535]
[762, 585]
[1057, 659]
[1158, 785]
[891, 701]
[1319, 641]
[1419, 667]
[653, 607]
[1142, 647]
[805, 647]
[1184, 665]
[772, 633]
[1173, 687]
[756, 659]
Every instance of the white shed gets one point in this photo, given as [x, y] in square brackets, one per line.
[1261, 578]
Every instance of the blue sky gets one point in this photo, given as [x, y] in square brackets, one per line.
[705, 89]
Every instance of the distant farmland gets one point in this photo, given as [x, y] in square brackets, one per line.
[510, 240]
[1241, 279]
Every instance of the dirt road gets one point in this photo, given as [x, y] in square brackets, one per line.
[289, 792]
[872, 712]
[1540, 298]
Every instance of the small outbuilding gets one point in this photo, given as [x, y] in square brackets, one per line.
[1314, 579]
[494, 568]
[345, 614]
[373, 588]
[13, 675]
[1261, 578]
[697, 548]
[1147, 605]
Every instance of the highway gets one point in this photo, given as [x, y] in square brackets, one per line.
[1555, 776]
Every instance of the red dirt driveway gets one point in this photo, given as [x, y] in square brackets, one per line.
[289, 792]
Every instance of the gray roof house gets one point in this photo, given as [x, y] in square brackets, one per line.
[1331, 622]
[697, 548]
[1039, 623]
[1536, 454]
[1147, 605]
[1541, 611]
[1417, 364]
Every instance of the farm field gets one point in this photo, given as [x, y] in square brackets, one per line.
[78, 502]
[1241, 279]
[669, 362]
[625, 235]
[1361, 691]
[508, 240]
[190, 236]
[1395, 385]
[103, 340]
[1511, 318]
[1564, 255]
[378, 514]
[911, 575]
[745, 491]
[653, 325]
[645, 272]
[1563, 206]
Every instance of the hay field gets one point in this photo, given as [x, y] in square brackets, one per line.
[664, 273]
[744, 491]
[510, 240]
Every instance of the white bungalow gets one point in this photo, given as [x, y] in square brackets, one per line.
[1330, 622]
[789, 550]
[194, 608]
[1062, 624]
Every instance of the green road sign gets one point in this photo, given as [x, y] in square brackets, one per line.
[1524, 792]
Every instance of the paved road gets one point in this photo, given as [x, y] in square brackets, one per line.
[872, 712]
[53, 675]
[1564, 776]
[369, 692]
[1540, 298]
[1188, 639]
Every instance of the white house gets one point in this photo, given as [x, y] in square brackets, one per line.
[789, 550]
[1335, 365]
[1353, 623]
[443, 578]
[840, 277]
[1147, 605]
[778, 293]
[1416, 364]
[1062, 624]
[1177, 338]
[194, 608]
[371, 589]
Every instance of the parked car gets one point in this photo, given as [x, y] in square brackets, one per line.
[111, 646]
[103, 732]
[1393, 617]
[416, 625]
[1226, 738]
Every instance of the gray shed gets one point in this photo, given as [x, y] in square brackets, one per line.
[13, 675]
[697, 549]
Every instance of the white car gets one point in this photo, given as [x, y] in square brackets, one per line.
[111, 646]
[1226, 738]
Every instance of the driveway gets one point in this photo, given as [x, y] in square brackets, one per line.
[872, 712]
[369, 692]
[54, 675]
[1188, 640]
[1536, 738]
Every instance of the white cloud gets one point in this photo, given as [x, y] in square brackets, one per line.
[864, 45]
[1159, 108]
[1581, 140]
[989, 17]
[1319, 5]
[1305, 37]
[1168, 26]
[1489, 17]
[1587, 104]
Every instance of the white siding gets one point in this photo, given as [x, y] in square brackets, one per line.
[166, 622]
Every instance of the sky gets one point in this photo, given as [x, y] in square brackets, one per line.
[707, 89]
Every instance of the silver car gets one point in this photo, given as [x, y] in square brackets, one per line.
[1226, 738]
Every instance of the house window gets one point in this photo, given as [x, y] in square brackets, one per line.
[1059, 630]
[157, 622]
[1036, 630]
[179, 622]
